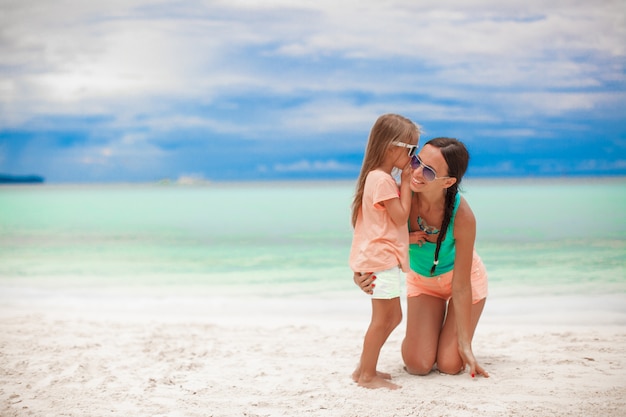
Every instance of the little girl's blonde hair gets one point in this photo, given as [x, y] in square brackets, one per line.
[387, 129]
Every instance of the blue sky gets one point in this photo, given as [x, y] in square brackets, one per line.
[132, 90]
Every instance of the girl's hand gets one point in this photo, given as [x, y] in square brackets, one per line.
[365, 281]
[407, 173]
[418, 237]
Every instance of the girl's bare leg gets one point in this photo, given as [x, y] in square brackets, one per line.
[386, 315]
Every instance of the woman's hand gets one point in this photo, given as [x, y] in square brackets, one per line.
[365, 281]
[469, 360]
[418, 237]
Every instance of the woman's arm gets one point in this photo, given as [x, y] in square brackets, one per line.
[465, 235]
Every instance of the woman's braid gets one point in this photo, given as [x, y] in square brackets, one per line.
[449, 208]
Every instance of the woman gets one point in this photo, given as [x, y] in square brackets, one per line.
[447, 284]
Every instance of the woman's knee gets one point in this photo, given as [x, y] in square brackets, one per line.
[418, 367]
[414, 363]
[449, 365]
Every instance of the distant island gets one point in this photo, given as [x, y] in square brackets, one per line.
[20, 179]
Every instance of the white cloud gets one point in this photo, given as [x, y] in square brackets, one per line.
[175, 122]
[75, 50]
[601, 165]
[507, 133]
[305, 166]
[311, 66]
[131, 154]
[501, 168]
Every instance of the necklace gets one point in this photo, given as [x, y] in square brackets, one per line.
[429, 230]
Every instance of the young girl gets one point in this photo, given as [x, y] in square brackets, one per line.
[380, 243]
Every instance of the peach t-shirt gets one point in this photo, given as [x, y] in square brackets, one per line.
[378, 243]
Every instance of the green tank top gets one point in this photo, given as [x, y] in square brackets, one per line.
[422, 257]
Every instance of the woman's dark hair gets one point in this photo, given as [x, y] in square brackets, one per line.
[457, 158]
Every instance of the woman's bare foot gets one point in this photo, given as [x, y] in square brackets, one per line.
[377, 382]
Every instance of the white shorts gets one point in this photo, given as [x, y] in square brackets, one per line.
[388, 283]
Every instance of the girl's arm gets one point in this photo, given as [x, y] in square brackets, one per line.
[399, 208]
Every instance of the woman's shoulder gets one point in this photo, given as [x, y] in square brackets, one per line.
[464, 215]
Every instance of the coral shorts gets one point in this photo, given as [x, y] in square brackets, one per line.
[440, 286]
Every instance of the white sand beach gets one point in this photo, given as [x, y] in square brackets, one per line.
[111, 353]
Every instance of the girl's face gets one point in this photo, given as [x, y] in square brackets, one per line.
[405, 151]
[430, 170]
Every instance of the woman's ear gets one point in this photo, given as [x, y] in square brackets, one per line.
[449, 182]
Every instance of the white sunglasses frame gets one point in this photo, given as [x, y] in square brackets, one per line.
[412, 148]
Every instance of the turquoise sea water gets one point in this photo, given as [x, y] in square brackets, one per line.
[558, 236]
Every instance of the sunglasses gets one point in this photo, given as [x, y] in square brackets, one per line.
[412, 148]
[428, 173]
